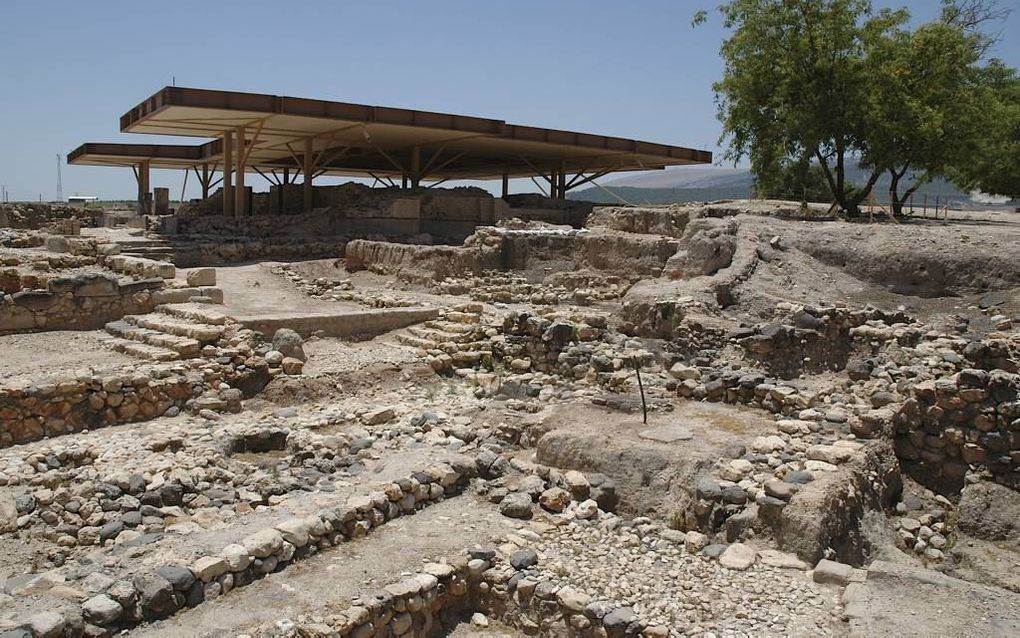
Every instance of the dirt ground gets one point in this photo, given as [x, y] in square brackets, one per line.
[35, 356]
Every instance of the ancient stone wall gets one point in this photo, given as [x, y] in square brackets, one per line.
[969, 419]
[55, 408]
[420, 263]
[665, 220]
[34, 216]
[820, 339]
[82, 302]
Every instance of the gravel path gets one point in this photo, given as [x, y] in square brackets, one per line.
[690, 594]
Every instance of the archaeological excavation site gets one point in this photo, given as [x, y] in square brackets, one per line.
[412, 410]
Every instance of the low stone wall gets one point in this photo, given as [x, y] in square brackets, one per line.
[82, 302]
[141, 267]
[161, 592]
[62, 406]
[820, 339]
[499, 248]
[969, 419]
[71, 405]
[420, 263]
[203, 250]
[359, 323]
[34, 216]
[663, 220]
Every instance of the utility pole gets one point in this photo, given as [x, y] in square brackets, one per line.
[60, 188]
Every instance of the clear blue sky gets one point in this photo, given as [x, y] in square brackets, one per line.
[635, 69]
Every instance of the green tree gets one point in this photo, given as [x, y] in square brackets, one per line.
[801, 179]
[930, 97]
[797, 84]
[926, 111]
[995, 166]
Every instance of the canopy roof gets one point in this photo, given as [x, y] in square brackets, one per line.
[358, 140]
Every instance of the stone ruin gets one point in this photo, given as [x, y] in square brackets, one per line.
[735, 418]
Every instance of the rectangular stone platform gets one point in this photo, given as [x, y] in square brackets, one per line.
[347, 323]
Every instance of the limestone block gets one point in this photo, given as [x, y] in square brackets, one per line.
[202, 277]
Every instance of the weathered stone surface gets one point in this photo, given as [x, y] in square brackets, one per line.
[990, 511]
[516, 505]
[289, 343]
[738, 556]
[101, 610]
[202, 277]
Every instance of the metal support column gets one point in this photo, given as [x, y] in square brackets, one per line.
[506, 185]
[205, 182]
[228, 169]
[415, 167]
[240, 194]
[283, 189]
[307, 168]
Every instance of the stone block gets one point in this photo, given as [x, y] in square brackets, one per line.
[833, 573]
[34, 300]
[202, 277]
[95, 286]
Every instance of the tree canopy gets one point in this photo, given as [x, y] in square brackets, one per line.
[995, 166]
[833, 81]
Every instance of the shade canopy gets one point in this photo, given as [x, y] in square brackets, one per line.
[359, 140]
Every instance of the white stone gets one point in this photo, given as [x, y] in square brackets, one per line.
[738, 556]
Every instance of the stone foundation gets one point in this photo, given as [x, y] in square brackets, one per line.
[82, 302]
[969, 419]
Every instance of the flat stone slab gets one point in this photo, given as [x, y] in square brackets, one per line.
[668, 433]
[343, 323]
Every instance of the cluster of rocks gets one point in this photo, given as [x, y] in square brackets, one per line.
[570, 494]
[507, 287]
[928, 533]
[737, 385]
[81, 302]
[971, 418]
[159, 593]
[33, 216]
[820, 339]
[343, 290]
[637, 577]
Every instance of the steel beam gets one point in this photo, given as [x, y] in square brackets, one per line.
[241, 193]
[228, 169]
[307, 168]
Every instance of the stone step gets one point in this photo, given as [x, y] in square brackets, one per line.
[193, 312]
[440, 336]
[137, 244]
[203, 333]
[183, 346]
[449, 326]
[139, 350]
[416, 342]
[462, 317]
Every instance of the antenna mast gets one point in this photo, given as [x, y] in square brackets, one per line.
[60, 188]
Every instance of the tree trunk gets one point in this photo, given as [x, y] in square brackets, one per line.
[834, 182]
[894, 186]
[853, 205]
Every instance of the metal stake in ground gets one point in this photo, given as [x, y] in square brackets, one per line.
[641, 388]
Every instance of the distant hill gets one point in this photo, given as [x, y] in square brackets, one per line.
[708, 183]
